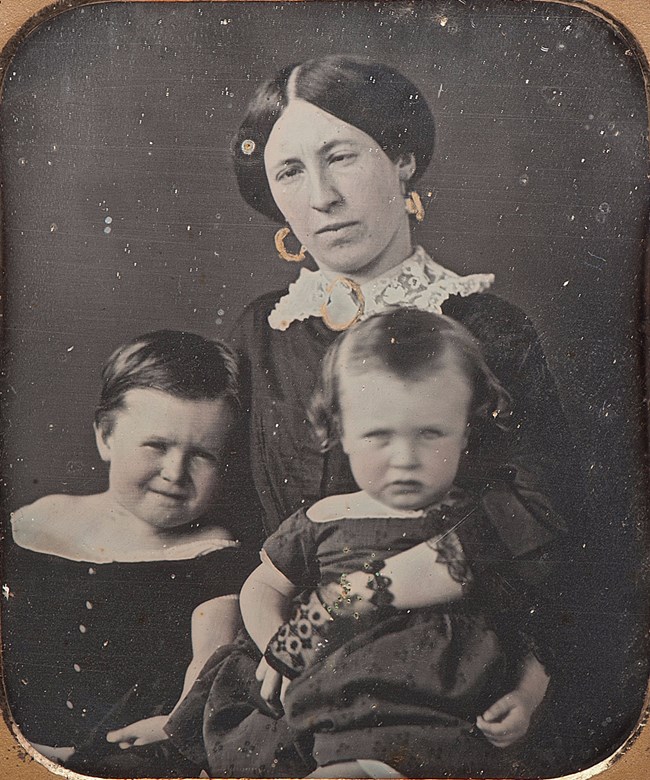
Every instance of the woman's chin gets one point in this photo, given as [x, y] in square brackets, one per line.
[358, 261]
[357, 270]
[341, 263]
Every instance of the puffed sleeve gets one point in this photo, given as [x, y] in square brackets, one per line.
[293, 548]
[239, 506]
[527, 477]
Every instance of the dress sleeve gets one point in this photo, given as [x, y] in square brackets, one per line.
[239, 507]
[527, 478]
[293, 548]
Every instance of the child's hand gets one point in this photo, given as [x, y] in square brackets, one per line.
[274, 685]
[507, 720]
[57, 754]
[142, 732]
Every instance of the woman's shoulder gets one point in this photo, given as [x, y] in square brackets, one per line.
[251, 326]
[260, 307]
[484, 305]
[494, 321]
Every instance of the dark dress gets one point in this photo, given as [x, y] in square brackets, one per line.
[370, 684]
[88, 647]
[527, 482]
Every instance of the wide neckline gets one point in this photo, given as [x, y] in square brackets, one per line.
[41, 531]
[153, 562]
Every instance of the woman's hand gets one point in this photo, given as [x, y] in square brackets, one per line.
[142, 732]
[274, 685]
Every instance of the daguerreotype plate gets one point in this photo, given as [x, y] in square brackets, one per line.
[134, 200]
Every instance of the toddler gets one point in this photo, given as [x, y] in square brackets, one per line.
[400, 391]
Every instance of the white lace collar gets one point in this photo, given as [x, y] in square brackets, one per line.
[418, 282]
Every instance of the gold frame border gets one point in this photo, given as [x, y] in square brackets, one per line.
[632, 19]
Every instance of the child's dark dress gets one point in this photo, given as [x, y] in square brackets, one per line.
[89, 647]
[405, 684]
[404, 687]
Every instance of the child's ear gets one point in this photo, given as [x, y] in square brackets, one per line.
[102, 440]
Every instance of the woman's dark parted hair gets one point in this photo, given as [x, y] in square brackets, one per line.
[182, 364]
[373, 97]
[410, 344]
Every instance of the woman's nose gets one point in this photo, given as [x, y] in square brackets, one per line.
[173, 467]
[323, 191]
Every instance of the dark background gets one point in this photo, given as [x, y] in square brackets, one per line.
[121, 215]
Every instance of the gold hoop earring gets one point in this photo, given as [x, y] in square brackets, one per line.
[282, 250]
[413, 205]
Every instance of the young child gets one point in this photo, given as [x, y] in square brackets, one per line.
[400, 391]
[105, 589]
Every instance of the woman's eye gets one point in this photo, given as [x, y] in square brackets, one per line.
[157, 446]
[429, 434]
[287, 174]
[342, 157]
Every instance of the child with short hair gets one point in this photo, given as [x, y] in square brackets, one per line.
[105, 589]
[400, 391]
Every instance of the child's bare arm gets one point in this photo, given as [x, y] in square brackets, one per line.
[265, 602]
[421, 577]
[508, 719]
[214, 623]
[418, 577]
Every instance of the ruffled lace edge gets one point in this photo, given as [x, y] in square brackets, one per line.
[419, 282]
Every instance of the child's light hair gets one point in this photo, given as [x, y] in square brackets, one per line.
[182, 364]
[409, 344]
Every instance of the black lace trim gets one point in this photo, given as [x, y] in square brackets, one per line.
[450, 552]
[298, 642]
[379, 584]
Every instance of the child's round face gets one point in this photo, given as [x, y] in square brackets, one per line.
[166, 455]
[404, 438]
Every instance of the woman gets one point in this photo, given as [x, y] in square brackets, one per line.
[332, 148]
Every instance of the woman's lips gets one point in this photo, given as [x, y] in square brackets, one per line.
[336, 227]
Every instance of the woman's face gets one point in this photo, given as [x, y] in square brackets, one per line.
[339, 192]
